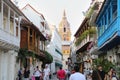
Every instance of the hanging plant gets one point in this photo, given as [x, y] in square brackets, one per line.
[91, 31]
[23, 54]
[48, 59]
[81, 37]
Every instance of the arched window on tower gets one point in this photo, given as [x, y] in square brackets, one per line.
[64, 29]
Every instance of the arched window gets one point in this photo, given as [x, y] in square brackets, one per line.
[64, 29]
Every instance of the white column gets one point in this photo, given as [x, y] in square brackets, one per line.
[0, 64]
[14, 25]
[9, 66]
[19, 20]
[8, 25]
[4, 66]
[12, 61]
[1, 15]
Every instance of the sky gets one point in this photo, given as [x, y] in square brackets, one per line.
[52, 10]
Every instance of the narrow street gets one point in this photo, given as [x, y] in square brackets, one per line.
[55, 38]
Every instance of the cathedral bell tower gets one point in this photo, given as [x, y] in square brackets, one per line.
[65, 33]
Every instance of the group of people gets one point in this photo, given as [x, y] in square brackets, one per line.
[23, 74]
[37, 74]
[100, 74]
[75, 74]
[97, 74]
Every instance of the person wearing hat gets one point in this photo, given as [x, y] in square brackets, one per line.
[46, 72]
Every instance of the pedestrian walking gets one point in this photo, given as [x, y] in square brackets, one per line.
[98, 74]
[112, 74]
[77, 75]
[20, 73]
[46, 72]
[26, 73]
[37, 73]
[61, 74]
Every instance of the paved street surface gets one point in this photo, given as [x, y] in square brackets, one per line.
[55, 78]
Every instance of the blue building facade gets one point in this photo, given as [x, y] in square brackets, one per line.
[108, 24]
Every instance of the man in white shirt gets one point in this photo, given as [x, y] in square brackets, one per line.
[77, 75]
[46, 72]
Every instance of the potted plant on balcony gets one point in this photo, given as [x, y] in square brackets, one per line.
[81, 37]
[92, 31]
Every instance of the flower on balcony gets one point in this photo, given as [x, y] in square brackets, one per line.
[48, 59]
[91, 31]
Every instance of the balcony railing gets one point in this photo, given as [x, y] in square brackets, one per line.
[89, 38]
[11, 39]
[109, 32]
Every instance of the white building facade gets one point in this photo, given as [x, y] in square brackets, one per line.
[10, 17]
[37, 19]
[55, 48]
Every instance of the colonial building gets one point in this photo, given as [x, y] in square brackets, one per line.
[86, 37]
[10, 18]
[108, 30]
[55, 48]
[33, 43]
[36, 34]
[65, 33]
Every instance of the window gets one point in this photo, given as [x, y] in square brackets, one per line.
[31, 36]
[114, 9]
[98, 30]
[11, 22]
[4, 22]
[0, 5]
[17, 31]
[64, 51]
[67, 51]
[109, 16]
[16, 24]
[64, 29]
[5, 16]
[11, 26]
[105, 17]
